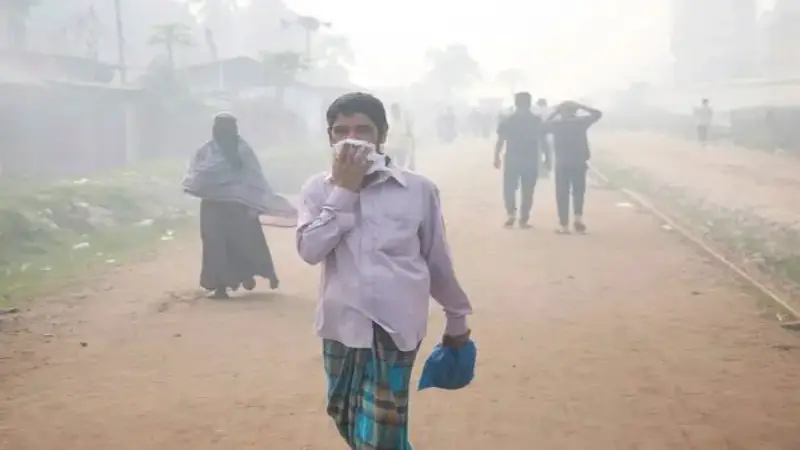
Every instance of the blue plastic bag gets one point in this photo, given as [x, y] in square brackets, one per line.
[449, 368]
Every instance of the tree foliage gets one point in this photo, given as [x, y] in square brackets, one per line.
[511, 78]
[172, 36]
[282, 68]
[452, 69]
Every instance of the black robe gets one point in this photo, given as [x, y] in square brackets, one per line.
[234, 247]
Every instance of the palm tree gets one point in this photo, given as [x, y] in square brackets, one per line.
[208, 7]
[310, 25]
[334, 57]
[335, 49]
[282, 68]
[452, 68]
[171, 36]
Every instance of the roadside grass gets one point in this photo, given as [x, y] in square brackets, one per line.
[59, 233]
[770, 247]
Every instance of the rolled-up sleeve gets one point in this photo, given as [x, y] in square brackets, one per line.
[323, 219]
[445, 288]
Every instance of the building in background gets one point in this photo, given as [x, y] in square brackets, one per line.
[780, 34]
[714, 40]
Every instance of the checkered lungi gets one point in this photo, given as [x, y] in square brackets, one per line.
[368, 392]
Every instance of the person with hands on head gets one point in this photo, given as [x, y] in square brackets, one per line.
[378, 232]
[572, 154]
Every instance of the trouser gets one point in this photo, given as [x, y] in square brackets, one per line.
[570, 182]
[522, 177]
[547, 155]
[702, 133]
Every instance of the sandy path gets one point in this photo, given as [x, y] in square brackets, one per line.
[624, 339]
[756, 181]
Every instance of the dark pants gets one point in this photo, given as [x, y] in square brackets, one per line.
[234, 247]
[570, 182]
[521, 176]
[702, 133]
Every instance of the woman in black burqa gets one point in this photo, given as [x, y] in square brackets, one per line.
[226, 175]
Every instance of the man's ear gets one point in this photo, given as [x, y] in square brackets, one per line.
[382, 137]
[330, 137]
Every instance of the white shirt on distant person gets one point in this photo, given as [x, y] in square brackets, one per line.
[703, 115]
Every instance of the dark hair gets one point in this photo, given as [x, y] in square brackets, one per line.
[355, 103]
[523, 100]
[541, 102]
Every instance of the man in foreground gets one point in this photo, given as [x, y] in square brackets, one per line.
[378, 232]
[571, 148]
[520, 135]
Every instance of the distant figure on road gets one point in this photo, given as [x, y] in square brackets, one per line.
[447, 126]
[571, 148]
[520, 134]
[400, 142]
[703, 116]
[226, 175]
[379, 234]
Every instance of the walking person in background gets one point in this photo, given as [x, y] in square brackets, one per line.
[226, 175]
[400, 141]
[572, 154]
[520, 135]
[379, 234]
[447, 126]
[703, 116]
[543, 111]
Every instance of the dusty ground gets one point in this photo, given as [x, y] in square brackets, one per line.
[761, 183]
[623, 339]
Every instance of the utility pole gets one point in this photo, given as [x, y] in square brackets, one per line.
[123, 70]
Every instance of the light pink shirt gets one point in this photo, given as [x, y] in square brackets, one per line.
[384, 253]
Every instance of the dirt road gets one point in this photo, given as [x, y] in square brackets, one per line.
[623, 339]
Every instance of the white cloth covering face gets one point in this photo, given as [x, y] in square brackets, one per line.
[366, 149]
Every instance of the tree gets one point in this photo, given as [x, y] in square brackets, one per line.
[335, 49]
[310, 26]
[171, 36]
[453, 69]
[333, 60]
[511, 78]
[282, 69]
[205, 9]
